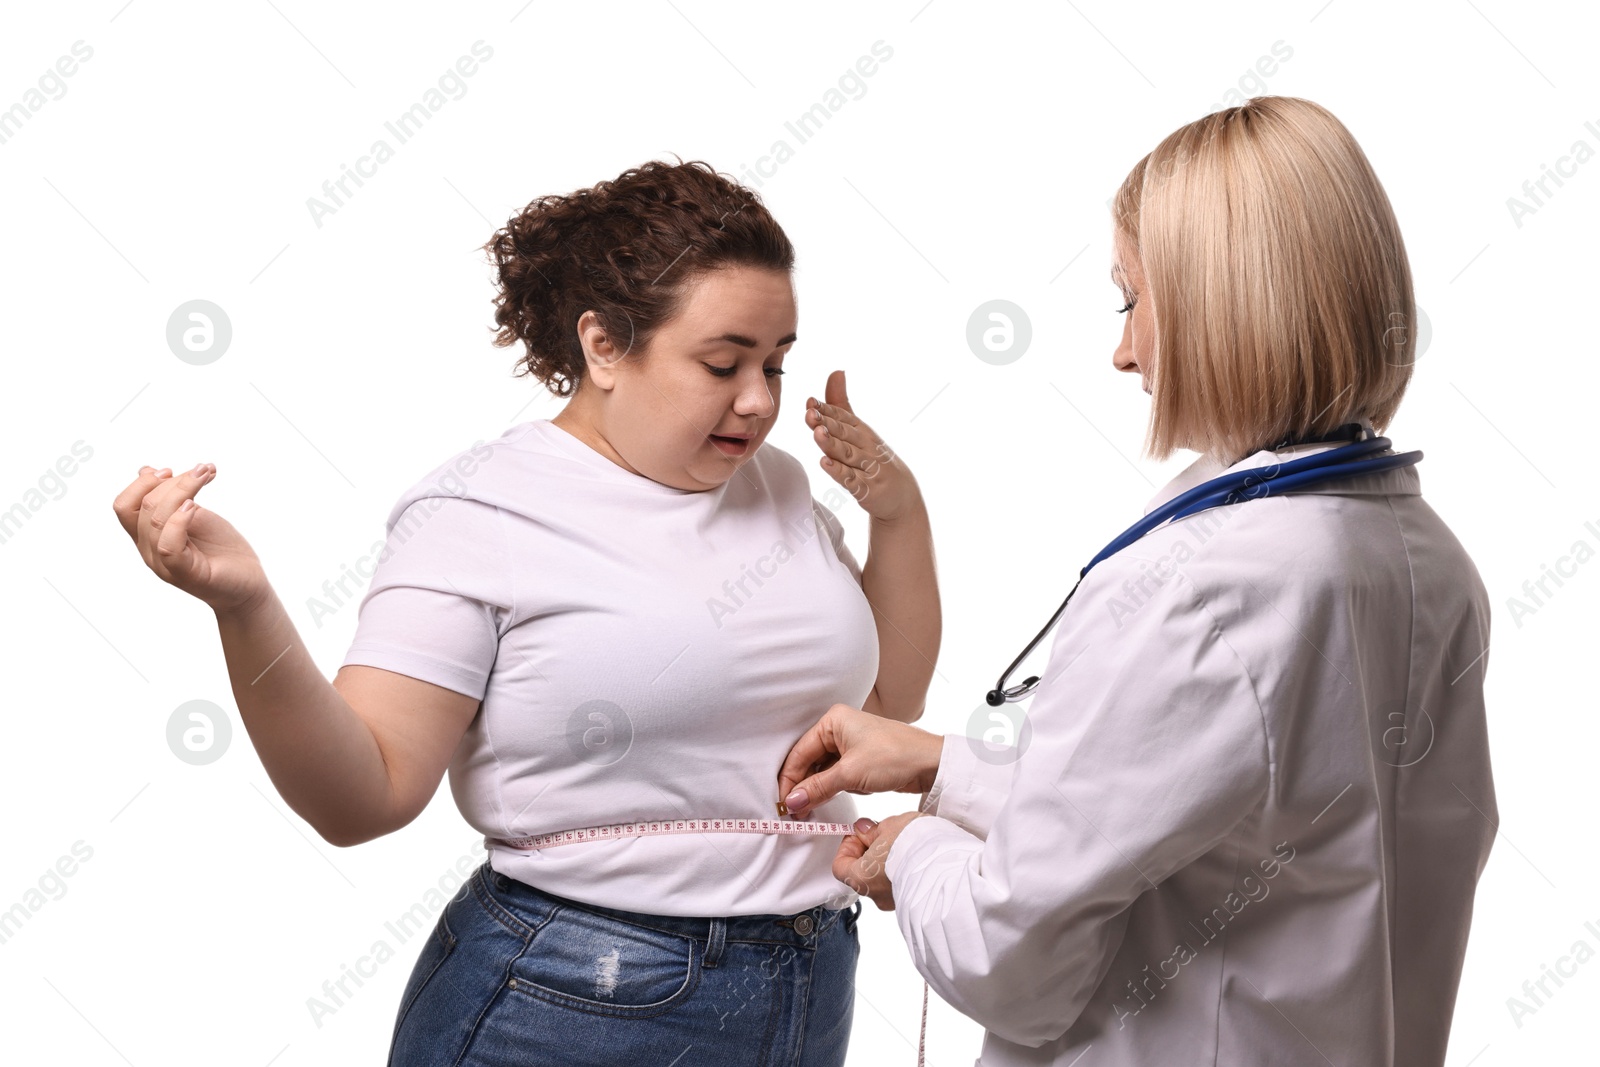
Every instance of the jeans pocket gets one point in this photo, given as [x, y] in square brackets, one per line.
[606, 966]
[434, 952]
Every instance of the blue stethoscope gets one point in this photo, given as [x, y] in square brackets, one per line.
[1359, 457]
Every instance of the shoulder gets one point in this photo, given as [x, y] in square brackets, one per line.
[475, 475]
[1314, 549]
[1223, 565]
[1275, 578]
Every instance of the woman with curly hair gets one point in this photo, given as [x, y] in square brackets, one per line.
[624, 614]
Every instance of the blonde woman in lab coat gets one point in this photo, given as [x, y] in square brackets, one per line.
[1255, 795]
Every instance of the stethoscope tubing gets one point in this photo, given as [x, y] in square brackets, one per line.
[1347, 461]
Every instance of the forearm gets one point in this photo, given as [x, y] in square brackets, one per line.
[901, 583]
[319, 754]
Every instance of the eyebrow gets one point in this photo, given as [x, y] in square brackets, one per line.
[746, 342]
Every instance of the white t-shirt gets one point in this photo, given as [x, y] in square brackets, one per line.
[641, 652]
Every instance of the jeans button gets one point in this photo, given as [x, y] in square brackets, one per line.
[803, 925]
[500, 882]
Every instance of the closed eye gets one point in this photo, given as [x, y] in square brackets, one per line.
[724, 372]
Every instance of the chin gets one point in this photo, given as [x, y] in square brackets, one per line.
[714, 475]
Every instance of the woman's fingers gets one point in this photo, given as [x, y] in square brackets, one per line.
[813, 748]
[873, 755]
[165, 497]
[185, 545]
[146, 507]
[851, 849]
[822, 787]
[160, 503]
[842, 452]
[835, 392]
[837, 424]
[845, 439]
[126, 505]
[860, 861]
[819, 765]
[849, 456]
[172, 543]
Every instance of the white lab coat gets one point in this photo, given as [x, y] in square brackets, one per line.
[1248, 823]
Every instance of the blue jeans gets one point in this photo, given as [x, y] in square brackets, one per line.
[515, 976]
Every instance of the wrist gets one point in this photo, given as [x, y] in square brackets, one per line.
[914, 513]
[246, 611]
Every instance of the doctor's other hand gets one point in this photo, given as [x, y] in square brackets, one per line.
[853, 751]
[862, 857]
[191, 547]
[858, 459]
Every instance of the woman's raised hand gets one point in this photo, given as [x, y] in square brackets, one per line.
[857, 457]
[853, 751]
[188, 546]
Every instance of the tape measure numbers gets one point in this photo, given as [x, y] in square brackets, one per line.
[654, 827]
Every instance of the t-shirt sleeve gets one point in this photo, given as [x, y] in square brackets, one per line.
[441, 596]
[835, 529]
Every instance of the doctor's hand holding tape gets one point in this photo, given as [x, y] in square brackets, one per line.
[1244, 817]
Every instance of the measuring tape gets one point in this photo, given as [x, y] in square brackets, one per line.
[654, 827]
[657, 827]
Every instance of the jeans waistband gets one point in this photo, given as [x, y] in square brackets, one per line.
[800, 929]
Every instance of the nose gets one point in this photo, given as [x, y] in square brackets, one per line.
[1122, 355]
[755, 397]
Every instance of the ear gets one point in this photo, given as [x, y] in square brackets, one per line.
[602, 353]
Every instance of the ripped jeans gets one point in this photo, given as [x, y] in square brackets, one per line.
[515, 976]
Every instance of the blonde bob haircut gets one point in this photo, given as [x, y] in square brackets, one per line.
[1277, 278]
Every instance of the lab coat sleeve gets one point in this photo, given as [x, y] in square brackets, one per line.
[968, 791]
[1147, 748]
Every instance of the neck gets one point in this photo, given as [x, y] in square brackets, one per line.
[578, 419]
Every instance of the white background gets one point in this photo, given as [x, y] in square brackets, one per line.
[975, 166]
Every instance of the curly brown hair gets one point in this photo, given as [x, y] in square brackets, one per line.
[610, 248]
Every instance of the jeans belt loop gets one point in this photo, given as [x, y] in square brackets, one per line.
[715, 940]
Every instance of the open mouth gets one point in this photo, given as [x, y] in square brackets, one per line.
[730, 446]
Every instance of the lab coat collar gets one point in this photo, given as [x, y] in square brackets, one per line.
[1403, 481]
